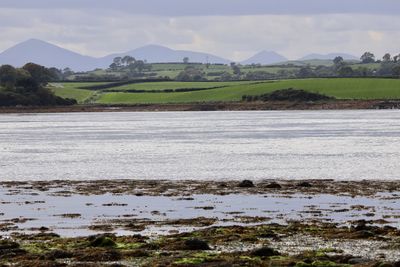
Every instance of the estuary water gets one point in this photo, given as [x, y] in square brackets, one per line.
[342, 145]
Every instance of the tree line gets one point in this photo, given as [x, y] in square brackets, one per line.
[26, 86]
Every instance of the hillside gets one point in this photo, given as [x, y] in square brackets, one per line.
[47, 55]
[349, 88]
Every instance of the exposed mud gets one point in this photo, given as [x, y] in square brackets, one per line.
[198, 223]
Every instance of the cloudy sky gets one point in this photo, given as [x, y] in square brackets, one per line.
[235, 29]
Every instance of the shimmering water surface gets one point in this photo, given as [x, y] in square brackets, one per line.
[201, 145]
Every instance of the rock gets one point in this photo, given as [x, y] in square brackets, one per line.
[196, 244]
[361, 234]
[265, 252]
[246, 183]
[98, 255]
[357, 261]
[222, 185]
[102, 241]
[304, 184]
[7, 244]
[58, 254]
[10, 249]
[361, 225]
[273, 185]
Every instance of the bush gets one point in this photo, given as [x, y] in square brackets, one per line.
[288, 95]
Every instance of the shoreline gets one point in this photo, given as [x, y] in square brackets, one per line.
[214, 106]
[224, 187]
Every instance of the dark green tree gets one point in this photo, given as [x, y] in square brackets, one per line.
[39, 74]
[387, 58]
[367, 57]
[8, 77]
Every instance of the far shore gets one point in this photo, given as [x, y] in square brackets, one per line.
[214, 106]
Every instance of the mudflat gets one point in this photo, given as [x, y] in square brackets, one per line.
[200, 223]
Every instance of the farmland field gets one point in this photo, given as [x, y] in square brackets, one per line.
[348, 88]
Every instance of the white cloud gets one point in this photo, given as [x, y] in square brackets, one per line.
[98, 33]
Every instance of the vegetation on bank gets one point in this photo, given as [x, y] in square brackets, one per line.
[26, 86]
[289, 94]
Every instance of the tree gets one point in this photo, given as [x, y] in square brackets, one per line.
[67, 72]
[56, 74]
[113, 66]
[346, 71]
[306, 72]
[387, 58]
[27, 86]
[396, 71]
[118, 61]
[39, 74]
[8, 77]
[367, 57]
[186, 60]
[235, 68]
[128, 60]
[139, 65]
[338, 61]
[190, 74]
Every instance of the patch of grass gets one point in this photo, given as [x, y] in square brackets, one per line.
[349, 88]
[71, 90]
[190, 261]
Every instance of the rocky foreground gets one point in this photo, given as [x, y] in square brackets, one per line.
[252, 241]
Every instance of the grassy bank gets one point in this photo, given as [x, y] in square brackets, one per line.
[347, 88]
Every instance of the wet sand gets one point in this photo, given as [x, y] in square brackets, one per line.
[200, 223]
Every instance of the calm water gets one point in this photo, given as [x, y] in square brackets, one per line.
[201, 145]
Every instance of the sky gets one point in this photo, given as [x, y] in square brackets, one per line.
[234, 29]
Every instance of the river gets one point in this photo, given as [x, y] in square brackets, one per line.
[342, 145]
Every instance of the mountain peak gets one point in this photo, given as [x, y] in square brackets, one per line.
[46, 54]
[265, 57]
[34, 42]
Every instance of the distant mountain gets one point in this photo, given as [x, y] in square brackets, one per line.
[329, 56]
[46, 54]
[161, 54]
[50, 55]
[265, 58]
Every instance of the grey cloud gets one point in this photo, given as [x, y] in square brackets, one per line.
[100, 32]
[217, 7]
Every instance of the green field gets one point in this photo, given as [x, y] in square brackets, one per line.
[348, 88]
[72, 90]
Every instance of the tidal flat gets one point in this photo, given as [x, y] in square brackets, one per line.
[200, 223]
